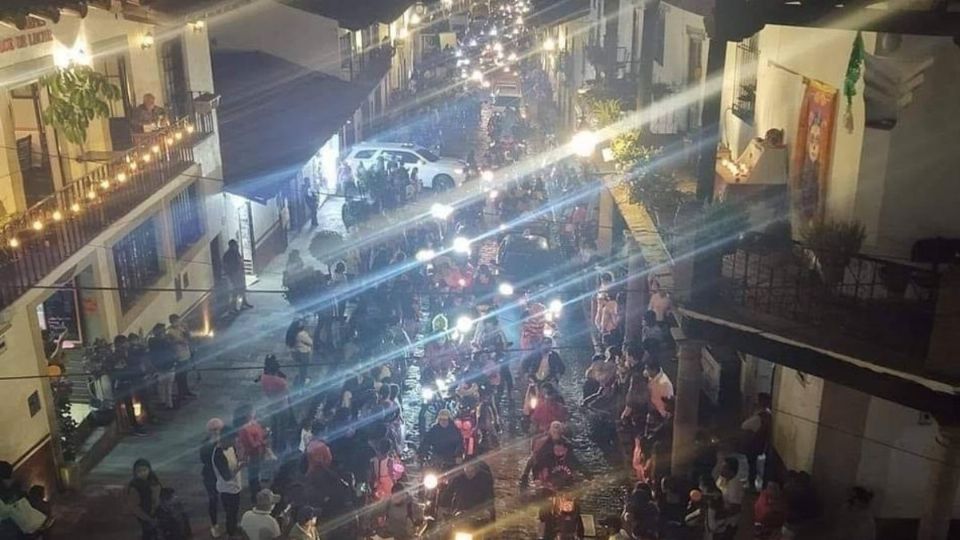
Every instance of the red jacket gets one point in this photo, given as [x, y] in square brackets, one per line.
[252, 440]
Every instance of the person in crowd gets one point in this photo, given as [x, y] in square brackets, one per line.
[755, 435]
[163, 360]
[252, 444]
[385, 470]
[731, 500]
[652, 329]
[142, 498]
[310, 202]
[544, 365]
[227, 468]
[607, 319]
[637, 390]
[172, 519]
[659, 386]
[549, 409]
[214, 431]
[233, 268]
[127, 379]
[147, 116]
[178, 336]
[443, 441]
[258, 523]
[640, 513]
[471, 492]
[555, 457]
[400, 514]
[22, 515]
[304, 524]
[300, 345]
[769, 511]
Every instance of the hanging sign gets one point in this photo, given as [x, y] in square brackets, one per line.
[27, 39]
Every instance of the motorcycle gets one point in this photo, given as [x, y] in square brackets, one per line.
[435, 397]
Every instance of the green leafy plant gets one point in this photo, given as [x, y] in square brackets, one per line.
[78, 94]
[834, 243]
[606, 111]
[66, 426]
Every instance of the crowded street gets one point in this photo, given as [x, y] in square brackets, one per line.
[472, 269]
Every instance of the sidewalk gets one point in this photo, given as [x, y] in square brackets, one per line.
[98, 510]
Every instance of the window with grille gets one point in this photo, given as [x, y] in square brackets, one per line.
[745, 79]
[137, 261]
[187, 225]
[174, 79]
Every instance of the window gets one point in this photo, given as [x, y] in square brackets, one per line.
[137, 261]
[745, 79]
[404, 157]
[346, 51]
[428, 155]
[187, 225]
[363, 154]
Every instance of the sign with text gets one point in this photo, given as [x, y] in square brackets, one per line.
[35, 35]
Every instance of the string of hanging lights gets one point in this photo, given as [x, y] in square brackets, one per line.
[125, 170]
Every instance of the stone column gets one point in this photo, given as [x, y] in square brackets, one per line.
[636, 295]
[605, 218]
[687, 409]
[943, 484]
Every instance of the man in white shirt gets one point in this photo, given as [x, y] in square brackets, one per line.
[731, 493]
[661, 389]
[258, 524]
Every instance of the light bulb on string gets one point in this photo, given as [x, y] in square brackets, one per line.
[190, 128]
[133, 165]
[14, 242]
[146, 158]
[178, 135]
[155, 149]
[121, 177]
[57, 216]
[169, 141]
[105, 184]
[75, 208]
[92, 195]
[37, 225]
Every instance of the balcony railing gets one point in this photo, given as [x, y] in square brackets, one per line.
[35, 242]
[886, 303]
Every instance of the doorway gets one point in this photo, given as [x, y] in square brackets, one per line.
[33, 150]
[246, 240]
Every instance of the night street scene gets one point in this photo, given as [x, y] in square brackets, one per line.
[480, 269]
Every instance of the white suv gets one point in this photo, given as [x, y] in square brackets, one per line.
[435, 172]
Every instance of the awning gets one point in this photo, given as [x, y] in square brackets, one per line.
[274, 116]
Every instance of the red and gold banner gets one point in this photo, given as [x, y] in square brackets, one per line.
[813, 152]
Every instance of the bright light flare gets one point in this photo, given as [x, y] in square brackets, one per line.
[555, 307]
[427, 393]
[584, 143]
[477, 75]
[549, 45]
[505, 289]
[430, 481]
[487, 175]
[464, 324]
[461, 245]
[460, 535]
[425, 255]
[441, 211]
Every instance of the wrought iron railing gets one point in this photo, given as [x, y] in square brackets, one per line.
[888, 303]
[35, 242]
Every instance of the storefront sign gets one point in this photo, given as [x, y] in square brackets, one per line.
[27, 39]
[60, 314]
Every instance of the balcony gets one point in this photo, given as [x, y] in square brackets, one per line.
[37, 241]
[878, 310]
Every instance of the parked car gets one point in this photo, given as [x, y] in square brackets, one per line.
[440, 173]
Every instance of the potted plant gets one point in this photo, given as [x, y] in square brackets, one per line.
[834, 243]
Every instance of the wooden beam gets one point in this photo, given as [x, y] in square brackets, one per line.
[905, 391]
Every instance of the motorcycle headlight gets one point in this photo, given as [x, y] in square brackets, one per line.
[555, 307]
[548, 332]
[427, 393]
[430, 481]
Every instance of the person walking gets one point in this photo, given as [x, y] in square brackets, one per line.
[310, 202]
[227, 468]
[232, 264]
[258, 523]
[143, 496]
[214, 431]
[301, 348]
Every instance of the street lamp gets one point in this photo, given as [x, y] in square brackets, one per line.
[584, 143]
[415, 19]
